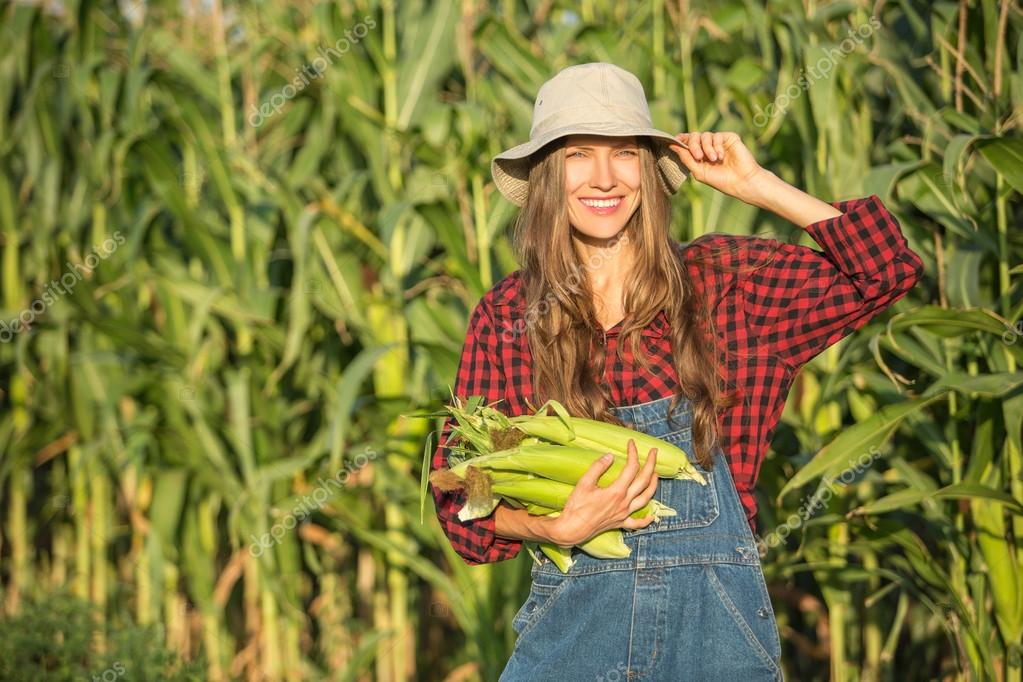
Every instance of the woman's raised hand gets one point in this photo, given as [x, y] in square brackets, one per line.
[591, 509]
[720, 160]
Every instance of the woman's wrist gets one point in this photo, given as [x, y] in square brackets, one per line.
[519, 524]
[559, 535]
[767, 191]
[757, 190]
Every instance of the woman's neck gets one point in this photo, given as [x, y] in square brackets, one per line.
[606, 265]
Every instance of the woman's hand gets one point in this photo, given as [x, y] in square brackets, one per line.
[720, 160]
[591, 509]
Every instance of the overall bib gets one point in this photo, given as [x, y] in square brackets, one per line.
[689, 603]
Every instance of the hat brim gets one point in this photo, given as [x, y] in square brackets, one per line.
[510, 168]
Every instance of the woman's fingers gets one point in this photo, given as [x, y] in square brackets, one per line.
[634, 524]
[595, 471]
[685, 153]
[635, 486]
[709, 146]
[707, 143]
[639, 502]
[628, 473]
[695, 145]
[644, 497]
[643, 479]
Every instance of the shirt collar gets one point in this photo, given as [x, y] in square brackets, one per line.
[509, 305]
[510, 315]
[657, 328]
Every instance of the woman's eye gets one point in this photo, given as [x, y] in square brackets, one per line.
[627, 152]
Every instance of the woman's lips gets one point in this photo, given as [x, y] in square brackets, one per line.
[603, 208]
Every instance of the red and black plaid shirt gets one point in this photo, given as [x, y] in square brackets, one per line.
[775, 318]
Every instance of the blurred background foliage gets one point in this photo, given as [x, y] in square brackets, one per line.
[240, 243]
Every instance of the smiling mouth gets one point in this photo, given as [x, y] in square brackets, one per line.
[601, 203]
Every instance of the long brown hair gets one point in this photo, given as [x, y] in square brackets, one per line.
[565, 357]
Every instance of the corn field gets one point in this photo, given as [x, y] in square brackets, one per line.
[240, 243]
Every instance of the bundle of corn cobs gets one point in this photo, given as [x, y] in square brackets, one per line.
[534, 461]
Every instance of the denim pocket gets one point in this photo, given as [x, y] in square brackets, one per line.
[544, 590]
[695, 505]
[743, 597]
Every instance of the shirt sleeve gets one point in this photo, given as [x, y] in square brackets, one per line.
[804, 300]
[479, 373]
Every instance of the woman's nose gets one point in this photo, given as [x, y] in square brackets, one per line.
[602, 173]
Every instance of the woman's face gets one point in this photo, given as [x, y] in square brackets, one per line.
[602, 176]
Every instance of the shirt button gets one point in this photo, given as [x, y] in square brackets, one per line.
[762, 612]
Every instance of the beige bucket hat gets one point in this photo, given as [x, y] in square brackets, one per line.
[587, 99]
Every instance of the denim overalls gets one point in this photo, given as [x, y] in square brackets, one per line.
[689, 603]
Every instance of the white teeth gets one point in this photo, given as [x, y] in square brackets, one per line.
[601, 203]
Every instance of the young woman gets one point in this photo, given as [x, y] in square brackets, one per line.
[695, 343]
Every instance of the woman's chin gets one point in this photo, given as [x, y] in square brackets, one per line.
[599, 232]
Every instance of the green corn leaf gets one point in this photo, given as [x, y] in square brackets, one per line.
[856, 440]
[959, 491]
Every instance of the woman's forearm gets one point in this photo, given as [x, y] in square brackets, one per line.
[770, 192]
[519, 524]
